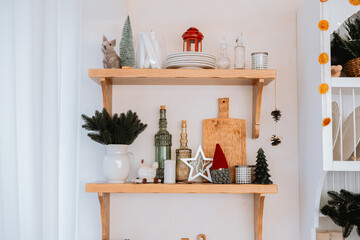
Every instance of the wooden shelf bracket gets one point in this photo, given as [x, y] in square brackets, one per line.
[257, 97]
[104, 199]
[258, 215]
[106, 87]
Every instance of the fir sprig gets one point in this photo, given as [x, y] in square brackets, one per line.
[105, 129]
[346, 48]
[344, 210]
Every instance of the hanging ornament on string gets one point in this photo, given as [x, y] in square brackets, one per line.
[275, 140]
[276, 114]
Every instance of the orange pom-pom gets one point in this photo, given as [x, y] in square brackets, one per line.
[355, 2]
[323, 25]
[323, 88]
[326, 121]
[323, 58]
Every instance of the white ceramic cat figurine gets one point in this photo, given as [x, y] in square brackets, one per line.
[111, 59]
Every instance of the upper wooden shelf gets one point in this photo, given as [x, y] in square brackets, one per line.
[256, 78]
[182, 76]
[180, 188]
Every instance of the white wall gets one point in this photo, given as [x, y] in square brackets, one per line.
[309, 109]
[268, 26]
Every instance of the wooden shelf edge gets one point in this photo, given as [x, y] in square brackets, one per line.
[182, 76]
[181, 188]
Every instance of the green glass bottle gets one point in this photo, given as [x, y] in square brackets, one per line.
[162, 144]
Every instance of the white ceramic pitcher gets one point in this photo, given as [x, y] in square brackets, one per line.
[116, 165]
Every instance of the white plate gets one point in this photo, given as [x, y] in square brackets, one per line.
[191, 57]
[180, 62]
[182, 54]
[348, 137]
[335, 122]
[190, 65]
[189, 62]
[193, 61]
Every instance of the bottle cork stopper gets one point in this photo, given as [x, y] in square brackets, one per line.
[183, 122]
[162, 107]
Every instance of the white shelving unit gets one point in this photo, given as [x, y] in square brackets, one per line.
[346, 92]
[315, 141]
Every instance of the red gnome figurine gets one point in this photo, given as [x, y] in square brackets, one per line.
[220, 172]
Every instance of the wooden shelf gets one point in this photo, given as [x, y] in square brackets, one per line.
[179, 188]
[256, 78]
[104, 189]
[182, 76]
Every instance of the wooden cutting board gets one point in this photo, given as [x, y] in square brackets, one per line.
[230, 133]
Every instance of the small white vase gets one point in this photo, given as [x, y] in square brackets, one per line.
[116, 165]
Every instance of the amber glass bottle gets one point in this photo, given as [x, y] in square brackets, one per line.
[182, 171]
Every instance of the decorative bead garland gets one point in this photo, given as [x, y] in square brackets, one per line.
[324, 59]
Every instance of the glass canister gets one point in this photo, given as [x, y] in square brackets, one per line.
[223, 61]
[259, 60]
[239, 50]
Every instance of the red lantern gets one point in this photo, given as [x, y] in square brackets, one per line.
[192, 40]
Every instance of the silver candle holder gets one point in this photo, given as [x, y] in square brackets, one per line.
[259, 60]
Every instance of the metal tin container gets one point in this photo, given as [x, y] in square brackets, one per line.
[243, 174]
[259, 60]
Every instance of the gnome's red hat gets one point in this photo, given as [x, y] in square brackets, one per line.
[219, 160]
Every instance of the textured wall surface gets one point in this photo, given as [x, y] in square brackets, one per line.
[267, 26]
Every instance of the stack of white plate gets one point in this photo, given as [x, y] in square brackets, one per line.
[194, 60]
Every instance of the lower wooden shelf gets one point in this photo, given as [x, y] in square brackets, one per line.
[104, 189]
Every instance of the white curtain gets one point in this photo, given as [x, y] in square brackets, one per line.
[39, 121]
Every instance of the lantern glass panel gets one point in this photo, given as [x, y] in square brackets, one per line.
[192, 45]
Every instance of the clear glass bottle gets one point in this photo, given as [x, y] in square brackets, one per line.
[182, 170]
[239, 49]
[162, 144]
[223, 62]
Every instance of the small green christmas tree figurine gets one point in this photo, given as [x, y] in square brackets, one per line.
[127, 53]
[262, 175]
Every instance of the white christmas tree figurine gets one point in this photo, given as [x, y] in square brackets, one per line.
[127, 53]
